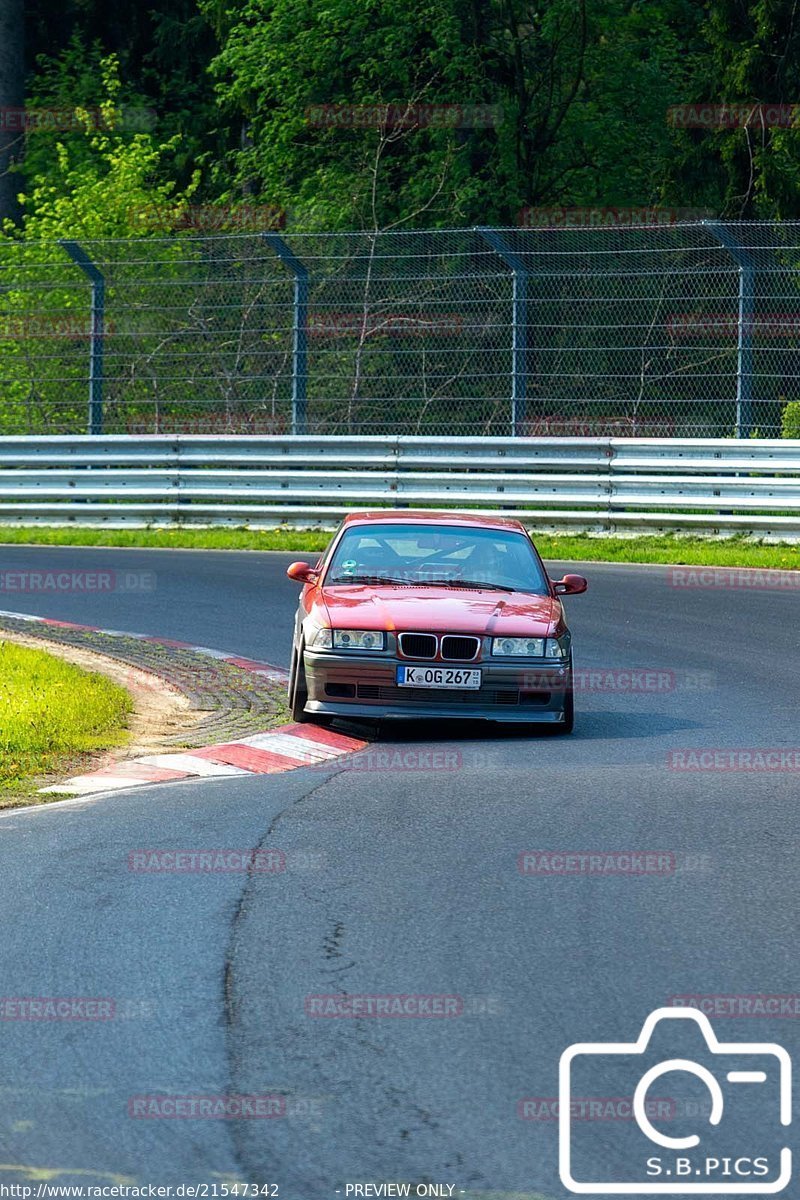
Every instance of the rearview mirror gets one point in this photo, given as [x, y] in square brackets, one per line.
[302, 572]
[570, 585]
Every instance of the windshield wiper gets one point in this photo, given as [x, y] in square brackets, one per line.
[467, 583]
[376, 579]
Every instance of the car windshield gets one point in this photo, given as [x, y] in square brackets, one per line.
[426, 555]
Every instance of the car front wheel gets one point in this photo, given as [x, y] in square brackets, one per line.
[298, 691]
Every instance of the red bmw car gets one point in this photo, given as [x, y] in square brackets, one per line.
[420, 614]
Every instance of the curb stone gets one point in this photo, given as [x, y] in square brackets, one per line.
[235, 706]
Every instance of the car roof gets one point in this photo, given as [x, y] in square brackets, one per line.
[405, 516]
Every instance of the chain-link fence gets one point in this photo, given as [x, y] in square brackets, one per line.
[683, 330]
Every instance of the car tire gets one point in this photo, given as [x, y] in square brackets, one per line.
[298, 691]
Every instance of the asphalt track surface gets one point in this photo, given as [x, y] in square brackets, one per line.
[400, 881]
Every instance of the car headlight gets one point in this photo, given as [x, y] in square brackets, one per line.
[509, 647]
[512, 647]
[558, 647]
[322, 639]
[358, 639]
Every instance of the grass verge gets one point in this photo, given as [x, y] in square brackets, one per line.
[666, 548]
[51, 713]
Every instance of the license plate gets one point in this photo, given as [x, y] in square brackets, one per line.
[438, 677]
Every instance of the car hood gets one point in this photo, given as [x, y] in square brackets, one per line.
[439, 610]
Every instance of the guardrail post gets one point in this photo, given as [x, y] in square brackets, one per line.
[744, 358]
[519, 327]
[299, 332]
[96, 379]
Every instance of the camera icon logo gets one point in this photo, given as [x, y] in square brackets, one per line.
[723, 1160]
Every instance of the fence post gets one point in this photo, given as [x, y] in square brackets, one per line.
[744, 357]
[300, 330]
[96, 379]
[519, 326]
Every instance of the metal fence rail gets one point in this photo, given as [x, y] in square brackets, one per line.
[592, 484]
[690, 329]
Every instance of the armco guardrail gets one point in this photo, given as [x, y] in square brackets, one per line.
[585, 484]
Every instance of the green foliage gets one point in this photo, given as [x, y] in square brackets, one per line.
[790, 420]
[95, 184]
[745, 53]
[581, 89]
[163, 48]
[280, 59]
[80, 78]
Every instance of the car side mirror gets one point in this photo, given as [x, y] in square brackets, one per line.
[302, 572]
[570, 585]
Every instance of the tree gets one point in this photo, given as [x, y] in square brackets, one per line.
[92, 186]
[305, 80]
[748, 55]
[163, 49]
[577, 90]
[12, 97]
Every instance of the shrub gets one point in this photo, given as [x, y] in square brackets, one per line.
[790, 420]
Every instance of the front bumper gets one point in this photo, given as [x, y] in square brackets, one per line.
[357, 685]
